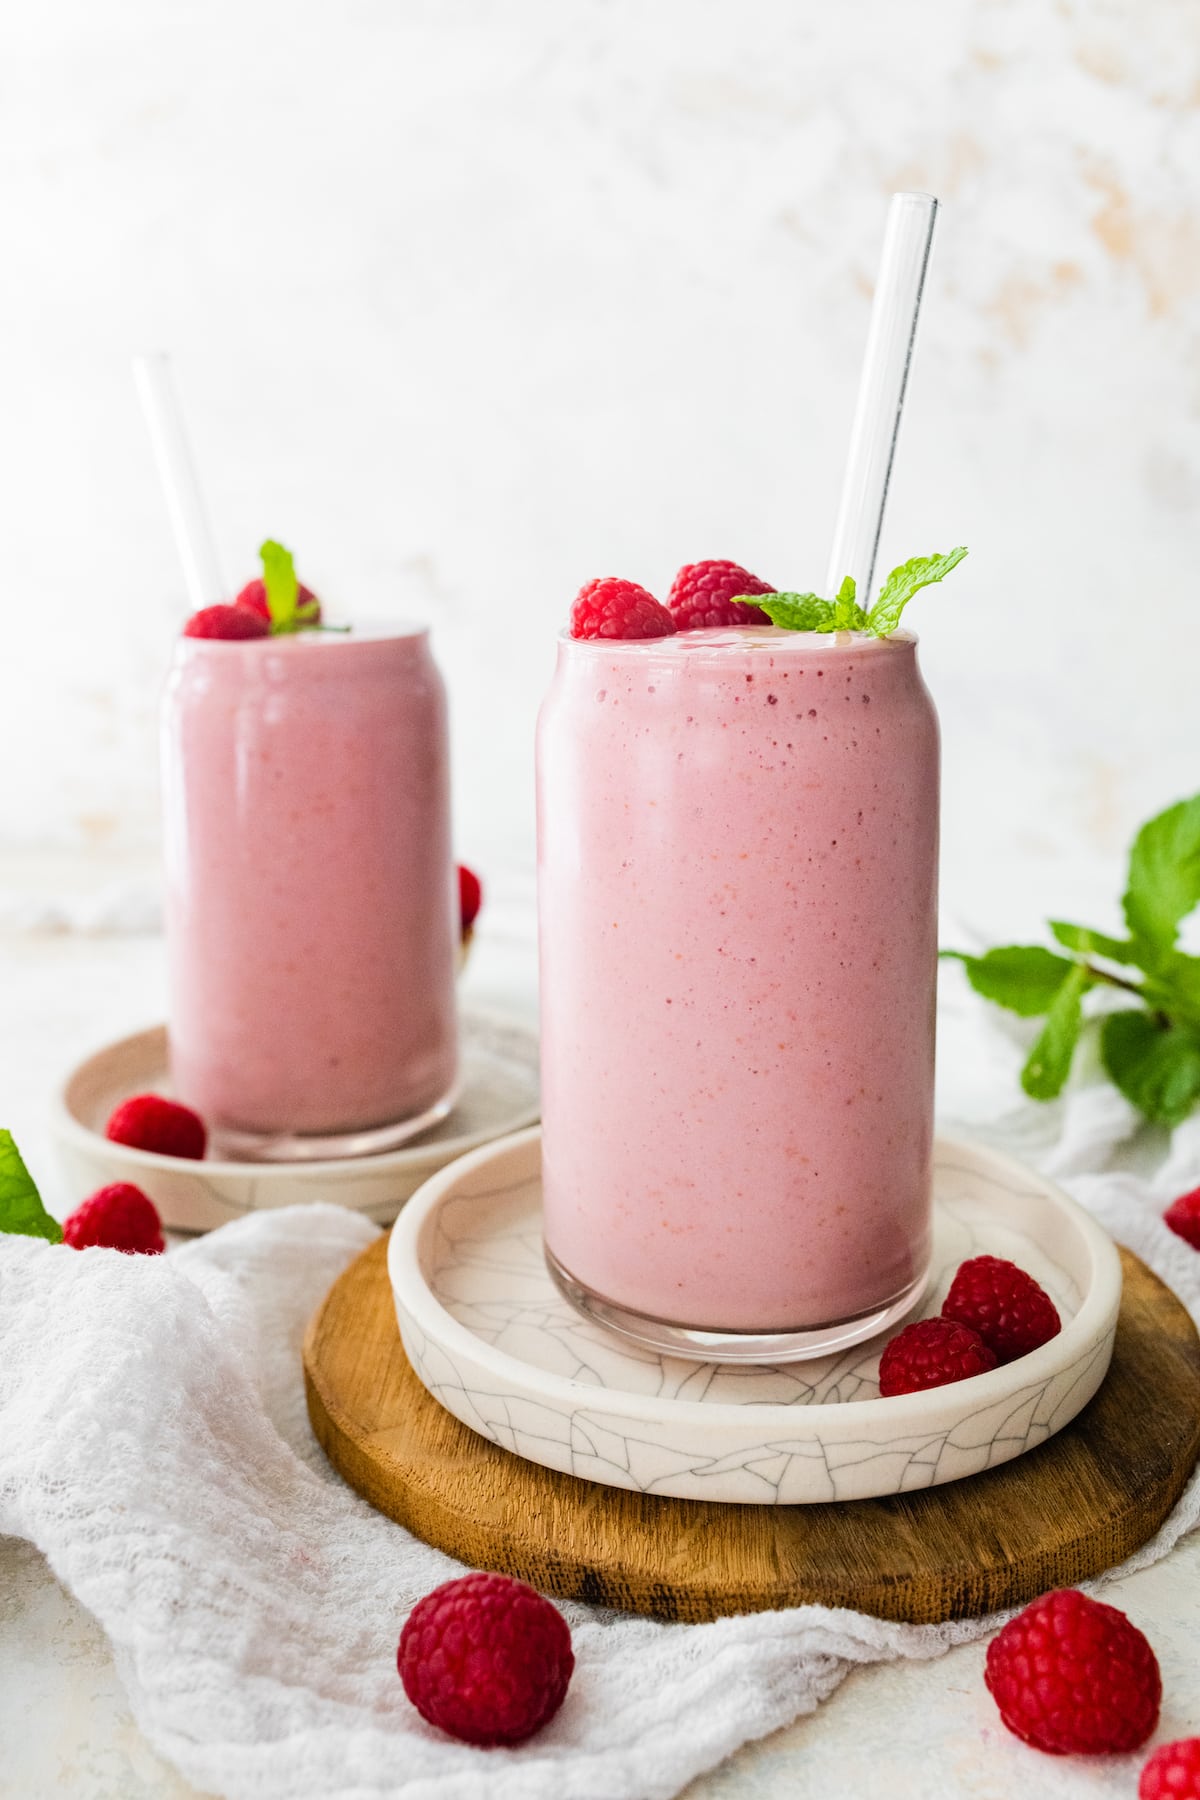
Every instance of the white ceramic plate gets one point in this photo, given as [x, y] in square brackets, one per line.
[499, 1062]
[493, 1340]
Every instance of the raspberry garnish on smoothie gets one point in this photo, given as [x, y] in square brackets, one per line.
[706, 593]
[255, 599]
[222, 621]
[274, 604]
[612, 608]
[723, 595]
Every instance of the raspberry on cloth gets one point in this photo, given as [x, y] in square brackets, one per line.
[486, 1659]
[117, 1217]
[1183, 1218]
[1172, 1772]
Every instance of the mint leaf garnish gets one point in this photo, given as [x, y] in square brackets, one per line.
[1023, 977]
[847, 614]
[1049, 1064]
[283, 589]
[21, 1209]
[809, 612]
[1094, 943]
[903, 583]
[1164, 874]
[286, 609]
[795, 612]
[1151, 1050]
[1173, 987]
[1154, 1063]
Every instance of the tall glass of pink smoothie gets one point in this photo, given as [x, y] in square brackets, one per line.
[737, 913]
[311, 911]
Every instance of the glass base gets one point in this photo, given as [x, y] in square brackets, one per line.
[302, 1147]
[733, 1346]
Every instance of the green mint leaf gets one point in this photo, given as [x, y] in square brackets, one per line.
[1155, 1064]
[1094, 943]
[1174, 987]
[847, 614]
[795, 612]
[283, 590]
[21, 1209]
[1164, 874]
[1023, 977]
[903, 583]
[1049, 1064]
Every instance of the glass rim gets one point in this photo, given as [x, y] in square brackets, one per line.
[766, 637]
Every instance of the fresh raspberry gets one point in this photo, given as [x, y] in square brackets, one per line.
[254, 596]
[931, 1353]
[1073, 1676]
[1183, 1216]
[1173, 1772]
[611, 608]
[486, 1659]
[118, 1217]
[1011, 1313]
[226, 622]
[470, 897]
[703, 594]
[148, 1122]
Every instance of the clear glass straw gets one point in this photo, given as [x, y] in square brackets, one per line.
[177, 472]
[886, 363]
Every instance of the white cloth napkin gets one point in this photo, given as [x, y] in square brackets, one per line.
[154, 1444]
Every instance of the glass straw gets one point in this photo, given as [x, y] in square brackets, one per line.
[886, 362]
[177, 472]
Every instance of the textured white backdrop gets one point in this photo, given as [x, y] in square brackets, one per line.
[472, 301]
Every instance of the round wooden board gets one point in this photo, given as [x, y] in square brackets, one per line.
[1080, 1503]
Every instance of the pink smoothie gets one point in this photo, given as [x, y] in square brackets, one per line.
[738, 927]
[311, 914]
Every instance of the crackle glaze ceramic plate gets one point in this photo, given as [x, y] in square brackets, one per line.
[495, 1343]
[498, 1094]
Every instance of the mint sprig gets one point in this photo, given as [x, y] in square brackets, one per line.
[1150, 1048]
[21, 1209]
[283, 591]
[809, 612]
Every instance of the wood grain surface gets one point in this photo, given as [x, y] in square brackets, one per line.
[1081, 1502]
